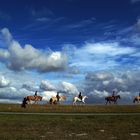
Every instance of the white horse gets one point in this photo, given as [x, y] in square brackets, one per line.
[75, 99]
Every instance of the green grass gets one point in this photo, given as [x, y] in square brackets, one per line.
[37, 127]
[42, 127]
[69, 108]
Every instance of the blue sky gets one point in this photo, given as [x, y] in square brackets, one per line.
[69, 46]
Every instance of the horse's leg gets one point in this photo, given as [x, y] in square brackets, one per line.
[106, 102]
[29, 101]
[83, 102]
[73, 102]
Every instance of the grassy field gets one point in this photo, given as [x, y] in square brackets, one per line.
[35, 127]
[69, 108]
[43, 127]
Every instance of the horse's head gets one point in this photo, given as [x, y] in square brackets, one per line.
[62, 98]
[85, 97]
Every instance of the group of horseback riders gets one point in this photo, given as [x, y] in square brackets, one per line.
[24, 102]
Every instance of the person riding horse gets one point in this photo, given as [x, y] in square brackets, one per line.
[113, 94]
[57, 96]
[35, 95]
[80, 96]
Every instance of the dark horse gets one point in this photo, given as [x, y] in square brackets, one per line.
[112, 99]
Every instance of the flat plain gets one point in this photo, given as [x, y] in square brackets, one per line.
[71, 127]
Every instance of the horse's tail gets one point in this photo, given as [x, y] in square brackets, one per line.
[105, 98]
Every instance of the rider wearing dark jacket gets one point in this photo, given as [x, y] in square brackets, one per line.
[35, 93]
[113, 94]
[80, 96]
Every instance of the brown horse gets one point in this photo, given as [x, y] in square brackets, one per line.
[53, 100]
[34, 98]
[137, 98]
[112, 99]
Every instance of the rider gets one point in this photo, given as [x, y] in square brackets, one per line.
[139, 94]
[113, 94]
[57, 96]
[35, 94]
[80, 96]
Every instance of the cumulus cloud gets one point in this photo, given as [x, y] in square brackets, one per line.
[14, 93]
[101, 84]
[27, 57]
[68, 88]
[4, 82]
[99, 93]
[4, 54]
[62, 87]
[47, 85]
[30, 87]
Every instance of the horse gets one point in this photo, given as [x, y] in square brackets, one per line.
[112, 99]
[54, 100]
[137, 98]
[75, 99]
[34, 98]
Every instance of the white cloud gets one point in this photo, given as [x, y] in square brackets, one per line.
[99, 76]
[109, 49]
[100, 94]
[4, 82]
[68, 88]
[126, 83]
[125, 94]
[47, 85]
[4, 54]
[48, 94]
[28, 57]
[100, 56]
